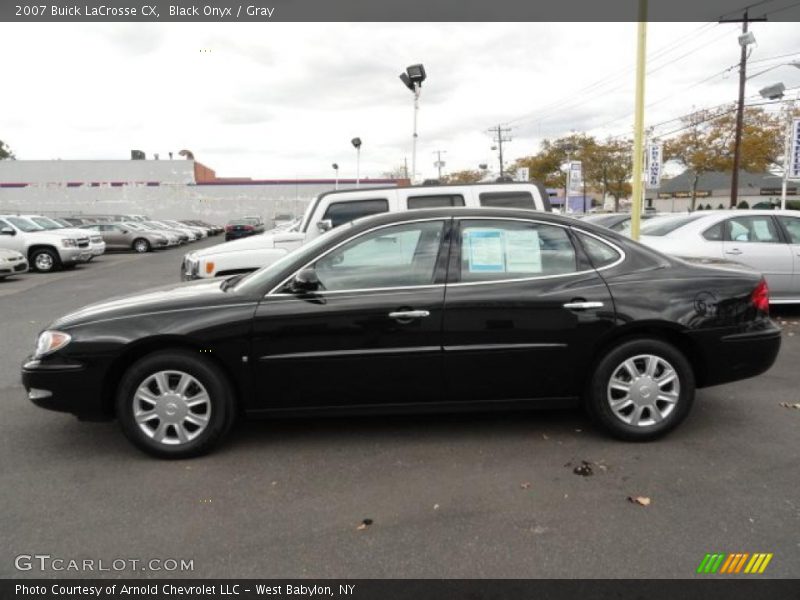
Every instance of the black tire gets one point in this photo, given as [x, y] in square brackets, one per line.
[141, 245]
[599, 395]
[44, 260]
[218, 389]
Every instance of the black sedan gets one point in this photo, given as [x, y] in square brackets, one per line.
[423, 311]
[239, 228]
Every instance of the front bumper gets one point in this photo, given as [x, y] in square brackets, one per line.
[13, 268]
[66, 385]
[71, 256]
[98, 248]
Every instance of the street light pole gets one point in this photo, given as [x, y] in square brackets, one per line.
[416, 91]
[356, 141]
[638, 122]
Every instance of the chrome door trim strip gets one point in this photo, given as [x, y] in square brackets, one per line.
[347, 353]
[480, 347]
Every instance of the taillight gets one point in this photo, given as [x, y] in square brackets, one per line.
[760, 297]
[248, 228]
[228, 227]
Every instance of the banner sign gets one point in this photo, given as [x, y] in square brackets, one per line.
[794, 151]
[653, 160]
[523, 174]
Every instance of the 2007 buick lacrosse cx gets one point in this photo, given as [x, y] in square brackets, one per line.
[430, 310]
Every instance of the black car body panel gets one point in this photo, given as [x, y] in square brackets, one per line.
[502, 344]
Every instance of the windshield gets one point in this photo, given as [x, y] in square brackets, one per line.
[303, 225]
[135, 226]
[153, 225]
[256, 279]
[666, 225]
[45, 223]
[24, 224]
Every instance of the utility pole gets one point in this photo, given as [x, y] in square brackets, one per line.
[737, 142]
[638, 121]
[499, 138]
[439, 162]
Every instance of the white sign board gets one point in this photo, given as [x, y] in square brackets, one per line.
[654, 163]
[794, 151]
[575, 181]
[523, 174]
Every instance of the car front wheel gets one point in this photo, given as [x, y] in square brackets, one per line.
[141, 245]
[641, 389]
[173, 404]
[44, 260]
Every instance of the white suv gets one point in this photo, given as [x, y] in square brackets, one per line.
[335, 208]
[46, 250]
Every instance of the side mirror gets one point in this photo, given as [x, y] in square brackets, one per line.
[7, 231]
[325, 225]
[125, 231]
[305, 281]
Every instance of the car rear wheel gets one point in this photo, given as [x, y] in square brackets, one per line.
[173, 404]
[141, 245]
[44, 260]
[641, 389]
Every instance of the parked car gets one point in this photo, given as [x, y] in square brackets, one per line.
[45, 250]
[335, 208]
[173, 238]
[619, 222]
[240, 228]
[765, 240]
[282, 219]
[436, 310]
[257, 221]
[96, 243]
[183, 235]
[12, 263]
[210, 229]
[199, 232]
[78, 221]
[119, 236]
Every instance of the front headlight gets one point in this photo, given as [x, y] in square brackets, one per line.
[69, 243]
[51, 341]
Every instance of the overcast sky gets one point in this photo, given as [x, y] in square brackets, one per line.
[283, 100]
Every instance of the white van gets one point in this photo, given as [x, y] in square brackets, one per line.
[335, 208]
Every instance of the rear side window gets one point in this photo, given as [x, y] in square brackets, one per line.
[507, 199]
[792, 225]
[713, 233]
[759, 230]
[344, 212]
[435, 201]
[494, 250]
[600, 253]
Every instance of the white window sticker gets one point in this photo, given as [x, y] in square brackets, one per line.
[762, 231]
[523, 252]
[485, 250]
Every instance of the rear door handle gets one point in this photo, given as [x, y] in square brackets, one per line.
[409, 314]
[583, 305]
[735, 251]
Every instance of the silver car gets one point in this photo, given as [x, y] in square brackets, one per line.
[765, 240]
[173, 239]
[120, 236]
[12, 263]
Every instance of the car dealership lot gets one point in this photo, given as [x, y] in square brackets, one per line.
[448, 496]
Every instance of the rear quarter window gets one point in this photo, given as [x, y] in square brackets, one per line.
[600, 253]
[435, 201]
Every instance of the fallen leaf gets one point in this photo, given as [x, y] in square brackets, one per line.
[640, 500]
[525, 485]
[364, 524]
[584, 469]
[545, 437]
[796, 405]
[435, 507]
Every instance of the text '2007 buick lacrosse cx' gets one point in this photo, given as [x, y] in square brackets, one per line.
[430, 310]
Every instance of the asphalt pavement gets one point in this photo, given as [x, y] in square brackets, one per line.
[482, 495]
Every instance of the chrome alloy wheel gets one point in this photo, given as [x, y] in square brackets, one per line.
[171, 407]
[44, 262]
[643, 390]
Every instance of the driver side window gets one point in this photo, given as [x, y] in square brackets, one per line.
[398, 256]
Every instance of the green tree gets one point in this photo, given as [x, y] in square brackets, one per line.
[465, 176]
[5, 151]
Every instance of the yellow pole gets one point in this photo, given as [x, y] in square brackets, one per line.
[638, 124]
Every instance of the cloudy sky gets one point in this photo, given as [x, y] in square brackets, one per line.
[282, 100]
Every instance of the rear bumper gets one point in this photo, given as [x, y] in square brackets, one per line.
[740, 355]
[66, 386]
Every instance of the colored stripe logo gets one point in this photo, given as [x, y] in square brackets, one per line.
[735, 563]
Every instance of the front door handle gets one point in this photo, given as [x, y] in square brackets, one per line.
[582, 305]
[735, 251]
[403, 315]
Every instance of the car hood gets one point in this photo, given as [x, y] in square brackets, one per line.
[180, 296]
[5, 253]
[253, 242]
